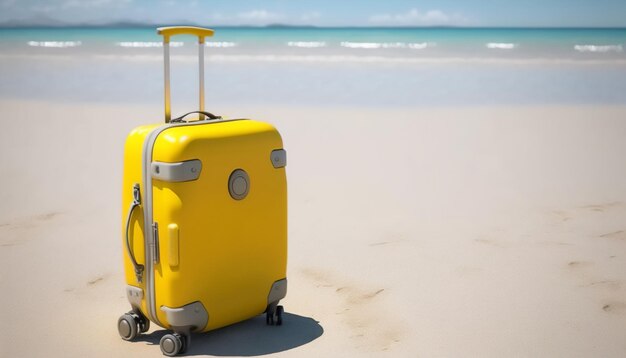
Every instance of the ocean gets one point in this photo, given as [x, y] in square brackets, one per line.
[380, 67]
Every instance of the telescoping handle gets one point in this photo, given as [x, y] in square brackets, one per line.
[167, 33]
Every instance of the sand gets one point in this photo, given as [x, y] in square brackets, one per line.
[460, 232]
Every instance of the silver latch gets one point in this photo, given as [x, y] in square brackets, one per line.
[136, 194]
[155, 247]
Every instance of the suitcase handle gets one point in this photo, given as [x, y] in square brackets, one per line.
[168, 32]
[136, 202]
[207, 114]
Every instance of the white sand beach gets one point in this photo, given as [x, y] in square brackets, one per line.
[413, 232]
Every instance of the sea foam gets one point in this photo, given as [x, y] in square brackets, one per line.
[420, 46]
[147, 44]
[377, 45]
[501, 45]
[57, 44]
[599, 48]
[306, 44]
[221, 44]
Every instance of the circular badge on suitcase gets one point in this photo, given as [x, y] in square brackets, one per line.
[238, 184]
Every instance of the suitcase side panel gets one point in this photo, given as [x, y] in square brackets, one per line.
[229, 252]
[132, 174]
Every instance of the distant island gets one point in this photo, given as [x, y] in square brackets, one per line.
[45, 22]
[48, 22]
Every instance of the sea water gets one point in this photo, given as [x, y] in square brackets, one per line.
[381, 67]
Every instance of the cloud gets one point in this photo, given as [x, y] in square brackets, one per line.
[217, 16]
[43, 8]
[310, 16]
[77, 4]
[178, 3]
[259, 16]
[85, 4]
[416, 17]
[7, 3]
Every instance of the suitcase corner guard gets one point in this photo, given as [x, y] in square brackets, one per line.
[192, 316]
[177, 172]
[277, 292]
[134, 296]
[278, 158]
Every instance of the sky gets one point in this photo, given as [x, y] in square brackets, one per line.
[514, 13]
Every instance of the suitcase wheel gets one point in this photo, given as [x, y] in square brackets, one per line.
[127, 327]
[275, 317]
[279, 315]
[172, 344]
[131, 324]
[144, 325]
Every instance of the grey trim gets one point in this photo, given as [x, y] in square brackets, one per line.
[147, 223]
[201, 47]
[278, 158]
[192, 316]
[176, 172]
[277, 292]
[134, 295]
[147, 206]
[166, 77]
[239, 184]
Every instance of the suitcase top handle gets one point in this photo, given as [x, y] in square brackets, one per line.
[207, 114]
[168, 32]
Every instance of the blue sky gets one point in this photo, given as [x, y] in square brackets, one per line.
[324, 12]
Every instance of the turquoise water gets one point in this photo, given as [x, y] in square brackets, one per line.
[322, 66]
[550, 43]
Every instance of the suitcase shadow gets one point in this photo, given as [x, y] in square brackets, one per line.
[250, 338]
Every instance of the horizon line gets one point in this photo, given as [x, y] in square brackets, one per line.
[123, 24]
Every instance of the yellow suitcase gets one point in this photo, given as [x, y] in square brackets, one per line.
[205, 221]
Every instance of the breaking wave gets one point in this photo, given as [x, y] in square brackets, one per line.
[377, 45]
[147, 44]
[221, 44]
[501, 45]
[599, 48]
[405, 60]
[57, 44]
[306, 44]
